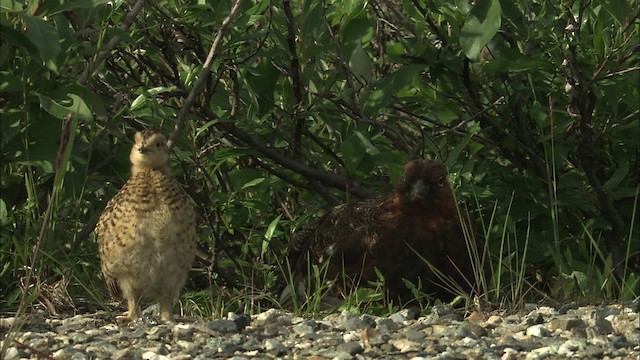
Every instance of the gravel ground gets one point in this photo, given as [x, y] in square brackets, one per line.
[585, 332]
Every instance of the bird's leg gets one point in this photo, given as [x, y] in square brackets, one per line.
[166, 308]
[134, 308]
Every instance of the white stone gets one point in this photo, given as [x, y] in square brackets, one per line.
[537, 331]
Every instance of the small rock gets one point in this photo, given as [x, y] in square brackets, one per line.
[122, 354]
[349, 321]
[150, 355]
[183, 332]
[452, 317]
[274, 347]
[471, 330]
[436, 329]
[12, 353]
[159, 349]
[352, 336]
[370, 320]
[537, 331]
[273, 316]
[540, 353]
[603, 326]
[572, 346]
[185, 346]
[351, 348]
[618, 341]
[305, 328]
[404, 345]
[565, 324]
[404, 315]
[6, 323]
[442, 310]
[415, 335]
[625, 324]
[476, 316]
[158, 332]
[534, 318]
[242, 320]
[386, 325]
[592, 352]
[494, 320]
[222, 325]
[566, 307]
[379, 340]
[507, 341]
[510, 354]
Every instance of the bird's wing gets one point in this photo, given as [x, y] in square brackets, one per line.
[343, 226]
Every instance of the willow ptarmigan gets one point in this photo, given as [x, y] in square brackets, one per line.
[394, 236]
[146, 233]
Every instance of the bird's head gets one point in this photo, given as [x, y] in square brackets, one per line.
[423, 182]
[150, 151]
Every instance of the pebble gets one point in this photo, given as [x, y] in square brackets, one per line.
[539, 332]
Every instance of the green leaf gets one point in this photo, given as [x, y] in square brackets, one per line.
[368, 145]
[618, 9]
[11, 6]
[141, 100]
[387, 87]
[617, 177]
[253, 182]
[360, 64]
[452, 157]
[245, 178]
[77, 107]
[204, 127]
[77, 4]
[18, 40]
[4, 220]
[481, 25]
[269, 234]
[10, 82]
[45, 37]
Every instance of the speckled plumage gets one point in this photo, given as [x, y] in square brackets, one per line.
[385, 234]
[146, 233]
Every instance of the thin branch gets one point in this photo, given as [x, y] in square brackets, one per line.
[432, 25]
[409, 24]
[310, 173]
[204, 73]
[126, 24]
[343, 65]
[618, 73]
[294, 73]
[584, 106]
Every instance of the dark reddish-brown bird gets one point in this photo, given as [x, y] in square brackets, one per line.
[420, 217]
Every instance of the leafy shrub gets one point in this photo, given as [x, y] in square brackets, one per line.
[532, 106]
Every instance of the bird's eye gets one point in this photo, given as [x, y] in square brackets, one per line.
[158, 144]
[441, 181]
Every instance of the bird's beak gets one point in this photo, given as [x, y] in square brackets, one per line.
[419, 191]
[143, 148]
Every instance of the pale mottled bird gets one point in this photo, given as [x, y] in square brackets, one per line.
[146, 233]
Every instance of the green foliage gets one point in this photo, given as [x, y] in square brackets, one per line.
[533, 107]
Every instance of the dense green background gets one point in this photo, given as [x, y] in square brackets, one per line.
[532, 105]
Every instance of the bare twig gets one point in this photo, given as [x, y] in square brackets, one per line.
[204, 73]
